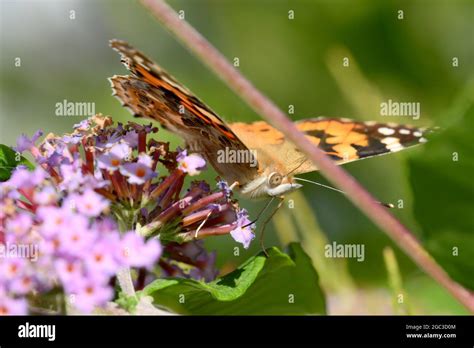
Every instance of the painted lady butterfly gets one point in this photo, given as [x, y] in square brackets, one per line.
[151, 92]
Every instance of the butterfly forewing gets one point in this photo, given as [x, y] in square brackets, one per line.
[152, 93]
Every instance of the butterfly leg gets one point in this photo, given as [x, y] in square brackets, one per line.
[260, 213]
[280, 203]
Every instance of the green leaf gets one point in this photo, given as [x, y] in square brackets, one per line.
[8, 162]
[282, 284]
[441, 178]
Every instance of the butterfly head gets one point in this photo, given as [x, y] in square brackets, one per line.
[272, 184]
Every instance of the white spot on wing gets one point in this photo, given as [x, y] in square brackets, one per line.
[392, 144]
[386, 131]
[404, 131]
[390, 140]
[417, 134]
[395, 147]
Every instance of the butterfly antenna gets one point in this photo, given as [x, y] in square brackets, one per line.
[387, 205]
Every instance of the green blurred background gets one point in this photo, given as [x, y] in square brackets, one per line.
[295, 62]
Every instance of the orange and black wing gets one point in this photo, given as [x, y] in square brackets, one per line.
[152, 93]
[347, 140]
[343, 140]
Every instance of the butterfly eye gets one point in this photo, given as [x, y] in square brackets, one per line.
[274, 179]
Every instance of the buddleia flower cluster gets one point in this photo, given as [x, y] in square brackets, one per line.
[100, 199]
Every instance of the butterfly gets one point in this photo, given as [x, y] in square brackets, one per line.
[257, 157]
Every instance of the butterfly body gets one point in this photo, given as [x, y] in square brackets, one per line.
[256, 156]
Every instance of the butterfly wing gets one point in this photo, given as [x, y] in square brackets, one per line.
[273, 151]
[152, 93]
[343, 140]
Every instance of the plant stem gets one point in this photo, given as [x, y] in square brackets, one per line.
[209, 55]
[124, 278]
[145, 305]
[395, 282]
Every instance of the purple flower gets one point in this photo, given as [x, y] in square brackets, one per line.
[10, 306]
[72, 175]
[90, 203]
[20, 224]
[11, 268]
[22, 285]
[135, 252]
[54, 153]
[243, 218]
[105, 226]
[83, 125]
[54, 220]
[243, 233]
[23, 143]
[69, 271]
[100, 258]
[77, 239]
[140, 171]
[191, 164]
[131, 139]
[110, 141]
[72, 138]
[46, 195]
[112, 159]
[90, 294]
[25, 179]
